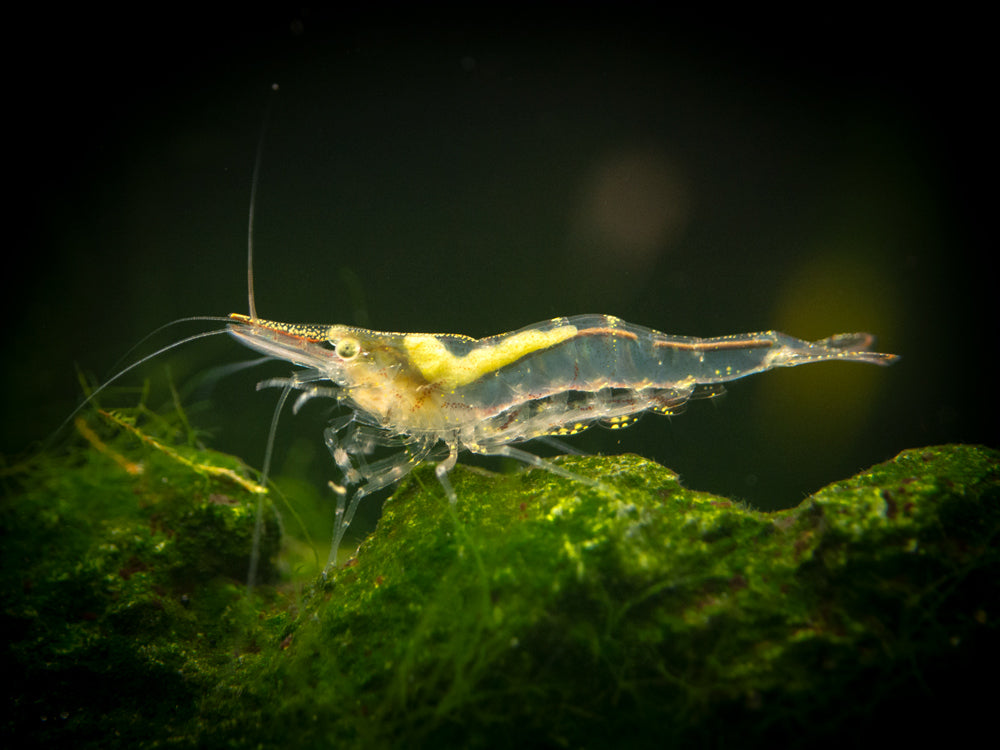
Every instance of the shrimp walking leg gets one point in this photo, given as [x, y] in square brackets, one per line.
[377, 475]
[442, 469]
[509, 451]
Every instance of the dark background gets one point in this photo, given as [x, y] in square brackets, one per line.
[701, 176]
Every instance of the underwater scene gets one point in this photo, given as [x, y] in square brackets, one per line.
[511, 445]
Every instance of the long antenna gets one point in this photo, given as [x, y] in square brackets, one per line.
[258, 524]
[259, 516]
[253, 198]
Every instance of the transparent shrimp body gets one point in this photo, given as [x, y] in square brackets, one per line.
[433, 395]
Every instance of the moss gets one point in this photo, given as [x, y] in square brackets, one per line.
[117, 583]
[534, 611]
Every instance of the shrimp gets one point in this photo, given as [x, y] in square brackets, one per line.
[433, 395]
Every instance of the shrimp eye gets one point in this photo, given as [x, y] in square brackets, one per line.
[348, 348]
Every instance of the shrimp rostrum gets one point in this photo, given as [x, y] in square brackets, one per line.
[431, 396]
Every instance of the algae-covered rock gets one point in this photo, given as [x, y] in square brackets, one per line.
[536, 611]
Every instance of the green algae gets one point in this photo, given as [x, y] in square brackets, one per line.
[534, 611]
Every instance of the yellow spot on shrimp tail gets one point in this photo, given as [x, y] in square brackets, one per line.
[431, 357]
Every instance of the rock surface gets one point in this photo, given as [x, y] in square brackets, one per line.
[536, 611]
